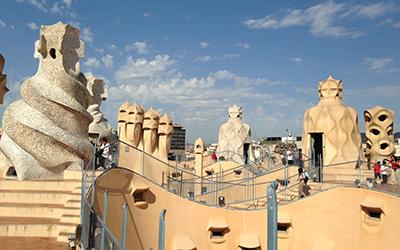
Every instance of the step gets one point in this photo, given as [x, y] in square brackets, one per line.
[24, 243]
[32, 210]
[37, 196]
[33, 227]
[64, 185]
[71, 218]
[63, 236]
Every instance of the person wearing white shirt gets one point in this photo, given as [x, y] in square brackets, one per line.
[105, 149]
[384, 167]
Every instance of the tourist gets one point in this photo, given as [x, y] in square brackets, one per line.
[214, 157]
[104, 149]
[290, 156]
[384, 167]
[395, 172]
[377, 171]
[302, 183]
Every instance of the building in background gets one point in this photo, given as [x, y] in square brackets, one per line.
[178, 142]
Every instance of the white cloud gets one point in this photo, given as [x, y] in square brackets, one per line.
[111, 46]
[397, 25]
[141, 47]
[377, 63]
[374, 10]
[244, 45]
[204, 44]
[380, 65]
[296, 59]
[39, 4]
[321, 18]
[75, 24]
[146, 14]
[108, 60]
[56, 9]
[230, 56]
[87, 35]
[68, 3]
[203, 59]
[308, 90]
[92, 62]
[101, 51]
[2, 24]
[143, 68]
[32, 26]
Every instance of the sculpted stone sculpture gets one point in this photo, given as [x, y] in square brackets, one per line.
[148, 131]
[234, 140]
[100, 127]
[46, 132]
[379, 133]
[165, 131]
[150, 126]
[331, 129]
[3, 80]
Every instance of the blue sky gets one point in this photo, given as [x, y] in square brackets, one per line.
[194, 59]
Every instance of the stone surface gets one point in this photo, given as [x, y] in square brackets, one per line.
[46, 132]
[234, 140]
[98, 91]
[337, 123]
[3, 80]
[379, 133]
[148, 131]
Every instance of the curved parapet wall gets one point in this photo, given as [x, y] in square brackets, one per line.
[340, 218]
[46, 132]
[379, 133]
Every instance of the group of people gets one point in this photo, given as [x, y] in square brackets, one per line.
[380, 171]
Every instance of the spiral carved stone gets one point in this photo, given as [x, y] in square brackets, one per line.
[46, 132]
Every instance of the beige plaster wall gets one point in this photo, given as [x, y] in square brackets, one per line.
[334, 219]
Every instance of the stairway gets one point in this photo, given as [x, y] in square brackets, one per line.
[47, 210]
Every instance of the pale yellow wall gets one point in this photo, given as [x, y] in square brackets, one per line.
[333, 219]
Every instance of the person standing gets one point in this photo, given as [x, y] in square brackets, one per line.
[104, 149]
[384, 169]
[377, 171]
[290, 156]
[302, 183]
[395, 170]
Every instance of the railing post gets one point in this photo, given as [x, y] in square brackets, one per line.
[176, 174]
[320, 169]
[123, 238]
[272, 217]
[82, 194]
[269, 163]
[93, 191]
[143, 158]
[117, 152]
[83, 197]
[94, 166]
[309, 165]
[359, 164]
[247, 190]
[211, 188]
[104, 219]
[285, 180]
[161, 232]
